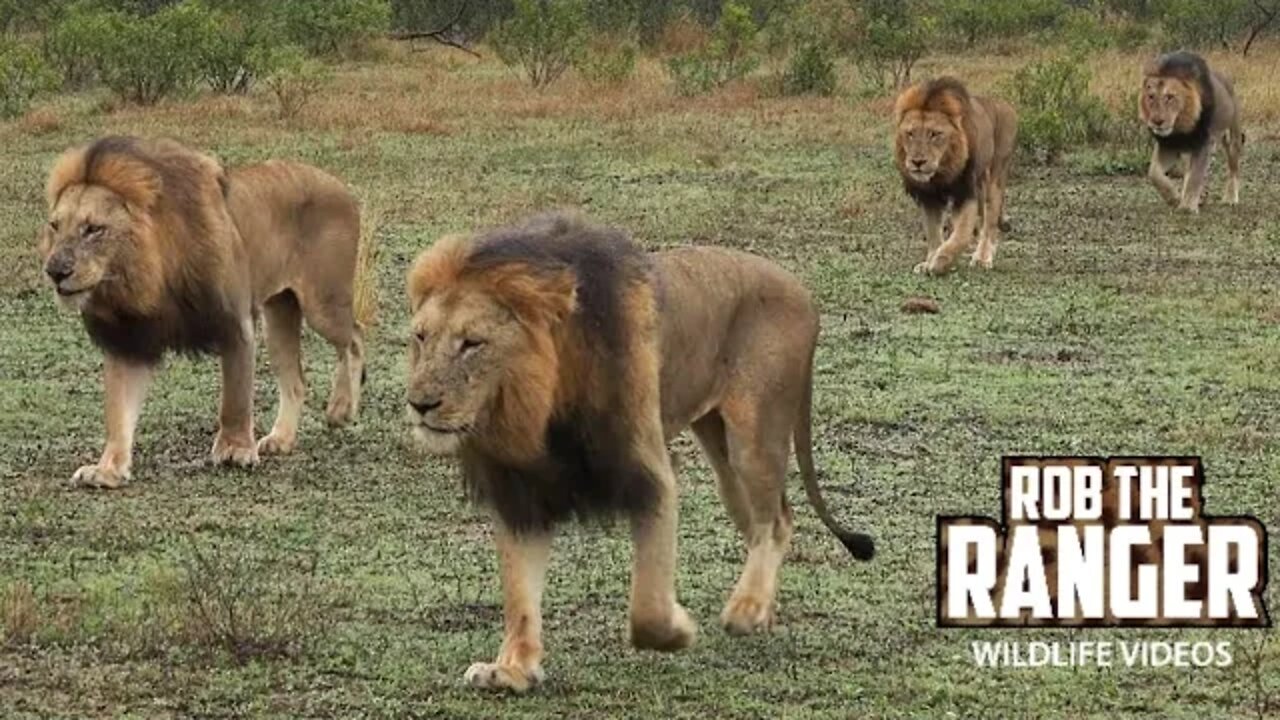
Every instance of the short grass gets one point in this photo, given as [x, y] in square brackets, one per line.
[350, 580]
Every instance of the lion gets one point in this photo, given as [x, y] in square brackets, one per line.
[1188, 108]
[160, 250]
[556, 360]
[955, 149]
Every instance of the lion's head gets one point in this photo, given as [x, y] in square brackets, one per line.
[1175, 90]
[138, 239]
[931, 145]
[483, 361]
[94, 242]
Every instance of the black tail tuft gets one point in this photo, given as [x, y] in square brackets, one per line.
[859, 545]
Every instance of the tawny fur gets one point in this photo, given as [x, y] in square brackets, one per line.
[557, 360]
[160, 250]
[954, 150]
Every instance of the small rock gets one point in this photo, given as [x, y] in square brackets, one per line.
[917, 304]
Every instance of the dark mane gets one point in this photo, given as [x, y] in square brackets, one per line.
[589, 470]
[195, 316]
[1192, 68]
[944, 85]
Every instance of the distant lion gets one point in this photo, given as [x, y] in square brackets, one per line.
[954, 150]
[1188, 108]
[160, 250]
[556, 360]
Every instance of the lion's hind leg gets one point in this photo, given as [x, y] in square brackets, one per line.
[282, 320]
[757, 442]
[336, 323]
[1234, 146]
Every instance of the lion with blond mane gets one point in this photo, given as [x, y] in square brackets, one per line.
[556, 360]
[954, 150]
[159, 249]
[1188, 108]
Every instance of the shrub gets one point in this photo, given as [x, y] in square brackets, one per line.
[811, 71]
[893, 36]
[731, 54]
[1084, 30]
[1056, 109]
[237, 52]
[609, 63]
[329, 27]
[976, 20]
[543, 37]
[72, 46]
[23, 75]
[145, 59]
[295, 80]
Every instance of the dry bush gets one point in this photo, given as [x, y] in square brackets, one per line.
[684, 34]
[41, 121]
[251, 606]
[19, 613]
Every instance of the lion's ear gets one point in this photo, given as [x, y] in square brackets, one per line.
[909, 99]
[436, 267]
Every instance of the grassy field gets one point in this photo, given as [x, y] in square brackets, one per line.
[350, 580]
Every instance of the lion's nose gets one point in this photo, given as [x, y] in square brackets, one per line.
[59, 267]
[918, 163]
[426, 406]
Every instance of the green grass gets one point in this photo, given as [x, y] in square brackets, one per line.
[1109, 326]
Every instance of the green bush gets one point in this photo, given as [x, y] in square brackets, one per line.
[543, 38]
[295, 79]
[333, 27]
[811, 71]
[23, 75]
[1085, 30]
[1056, 110]
[732, 53]
[72, 46]
[892, 37]
[146, 59]
[977, 20]
[237, 51]
[609, 64]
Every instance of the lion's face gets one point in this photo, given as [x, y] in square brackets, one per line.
[463, 346]
[1164, 101]
[923, 140]
[87, 243]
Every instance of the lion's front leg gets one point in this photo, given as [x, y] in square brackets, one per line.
[126, 385]
[234, 444]
[523, 562]
[932, 233]
[658, 622]
[1158, 173]
[1197, 174]
[963, 220]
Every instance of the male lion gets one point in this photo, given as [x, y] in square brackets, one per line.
[556, 359]
[955, 149]
[159, 250]
[1188, 107]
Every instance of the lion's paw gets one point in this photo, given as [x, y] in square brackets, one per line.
[100, 478]
[275, 444]
[228, 453]
[747, 614]
[933, 266]
[492, 676]
[677, 633]
[985, 263]
[341, 411]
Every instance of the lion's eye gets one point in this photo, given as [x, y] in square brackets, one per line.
[90, 230]
[934, 134]
[53, 225]
[421, 337]
[470, 345]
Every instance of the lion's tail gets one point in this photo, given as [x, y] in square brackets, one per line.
[366, 280]
[860, 545]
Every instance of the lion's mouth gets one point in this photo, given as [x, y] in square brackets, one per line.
[72, 292]
[1162, 131]
[442, 430]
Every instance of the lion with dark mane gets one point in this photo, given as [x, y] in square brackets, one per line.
[159, 250]
[954, 150]
[1188, 108]
[556, 360]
